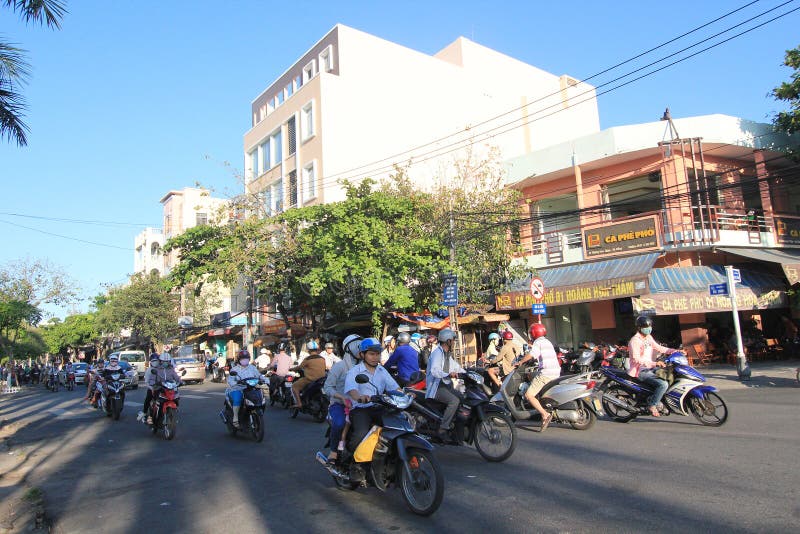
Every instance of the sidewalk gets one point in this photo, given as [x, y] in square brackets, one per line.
[762, 374]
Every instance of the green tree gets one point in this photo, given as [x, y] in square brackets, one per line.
[15, 317]
[75, 331]
[37, 282]
[145, 306]
[789, 121]
[15, 71]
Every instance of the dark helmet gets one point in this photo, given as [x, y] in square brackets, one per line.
[283, 346]
[244, 353]
[403, 338]
[643, 321]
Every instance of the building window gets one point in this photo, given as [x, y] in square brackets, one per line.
[266, 161]
[268, 201]
[254, 164]
[277, 196]
[276, 156]
[270, 105]
[291, 136]
[309, 71]
[307, 121]
[289, 89]
[310, 180]
[293, 189]
[326, 59]
[279, 99]
[201, 219]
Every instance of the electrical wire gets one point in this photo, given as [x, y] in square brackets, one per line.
[78, 221]
[67, 237]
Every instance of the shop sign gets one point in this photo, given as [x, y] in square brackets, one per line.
[787, 230]
[701, 302]
[792, 271]
[558, 296]
[621, 238]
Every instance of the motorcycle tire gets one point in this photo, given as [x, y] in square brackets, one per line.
[170, 423]
[497, 428]
[116, 409]
[421, 482]
[587, 420]
[294, 412]
[711, 410]
[257, 426]
[321, 414]
[615, 412]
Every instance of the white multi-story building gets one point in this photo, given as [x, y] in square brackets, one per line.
[148, 255]
[355, 105]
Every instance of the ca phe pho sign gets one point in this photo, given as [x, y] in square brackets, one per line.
[450, 290]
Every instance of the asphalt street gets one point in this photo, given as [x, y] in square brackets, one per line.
[665, 475]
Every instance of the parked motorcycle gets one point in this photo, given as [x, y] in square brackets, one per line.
[625, 397]
[251, 412]
[488, 426]
[315, 402]
[567, 398]
[581, 360]
[398, 457]
[164, 409]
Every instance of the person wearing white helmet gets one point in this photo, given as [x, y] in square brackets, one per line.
[334, 389]
[389, 345]
[313, 368]
[492, 357]
[263, 360]
[330, 357]
[164, 372]
[442, 369]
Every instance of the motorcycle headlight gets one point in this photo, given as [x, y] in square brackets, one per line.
[475, 376]
[252, 382]
[115, 376]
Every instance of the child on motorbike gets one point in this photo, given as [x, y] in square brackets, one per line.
[334, 388]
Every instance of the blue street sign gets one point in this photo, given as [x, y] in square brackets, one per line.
[736, 275]
[450, 290]
[539, 309]
[718, 289]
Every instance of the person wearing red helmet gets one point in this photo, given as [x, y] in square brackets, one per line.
[548, 369]
[508, 353]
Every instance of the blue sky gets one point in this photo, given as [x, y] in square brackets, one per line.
[132, 99]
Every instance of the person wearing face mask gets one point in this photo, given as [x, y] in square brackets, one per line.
[244, 370]
[641, 348]
[148, 398]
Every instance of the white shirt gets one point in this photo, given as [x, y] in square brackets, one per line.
[437, 372]
[242, 373]
[330, 359]
[381, 381]
[545, 354]
[263, 360]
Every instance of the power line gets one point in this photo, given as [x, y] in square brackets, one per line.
[67, 237]
[79, 221]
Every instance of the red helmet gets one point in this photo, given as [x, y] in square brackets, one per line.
[538, 330]
[508, 335]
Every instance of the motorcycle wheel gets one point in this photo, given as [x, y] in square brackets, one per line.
[615, 412]
[321, 414]
[170, 423]
[710, 410]
[421, 482]
[116, 409]
[257, 426]
[496, 437]
[587, 418]
[294, 412]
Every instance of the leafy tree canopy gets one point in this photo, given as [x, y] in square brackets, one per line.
[75, 331]
[789, 121]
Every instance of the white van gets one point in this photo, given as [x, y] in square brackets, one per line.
[136, 358]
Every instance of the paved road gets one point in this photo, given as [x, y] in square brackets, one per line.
[648, 475]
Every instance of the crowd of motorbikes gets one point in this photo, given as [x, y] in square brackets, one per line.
[593, 382]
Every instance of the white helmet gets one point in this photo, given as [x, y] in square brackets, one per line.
[113, 358]
[263, 351]
[164, 358]
[350, 345]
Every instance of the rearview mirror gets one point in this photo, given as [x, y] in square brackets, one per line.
[233, 373]
[362, 379]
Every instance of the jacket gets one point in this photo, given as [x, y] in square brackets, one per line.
[336, 378]
[161, 375]
[313, 367]
[440, 365]
[641, 349]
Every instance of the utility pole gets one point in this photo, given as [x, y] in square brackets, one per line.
[453, 310]
[742, 367]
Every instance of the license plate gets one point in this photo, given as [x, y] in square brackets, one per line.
[288, 384]
[597, 404]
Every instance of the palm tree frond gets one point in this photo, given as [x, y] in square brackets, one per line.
[11, 110]
[49, 12]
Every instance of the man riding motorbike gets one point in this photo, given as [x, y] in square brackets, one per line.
[334, 389]
[263, 360]
[281, 364]
[442, 368]
[548, 369]
[95, 372]
[491, 358]
[364, 413]
[243, 370]
[313, 368]
[405, 358]
[148, 397]
[508, 353]
[330, 358]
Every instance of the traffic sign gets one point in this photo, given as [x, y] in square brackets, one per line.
[718, 289]
[450, 290]
[736, 275]
[537, 288]
[539, 309]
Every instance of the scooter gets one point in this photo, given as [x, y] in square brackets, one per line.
[251, 412]
[164, 409]
[315, 402]
[567, 398]
[392, 454]
[114, 395]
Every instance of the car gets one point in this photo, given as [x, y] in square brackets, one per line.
[137, 358]
[195, 370]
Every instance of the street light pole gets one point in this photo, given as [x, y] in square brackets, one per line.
[742, 367]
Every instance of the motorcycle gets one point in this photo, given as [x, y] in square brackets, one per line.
[70, 381]
[399, 456]
[113, 395]
[579, 361]
[251, 412]
[488, 426]
[164, 409]
[219, 374]
[567, 398]
[52, 382]
[315, 402]
[283, 391]
[624, 397]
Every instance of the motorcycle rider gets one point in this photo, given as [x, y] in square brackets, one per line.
[364, 413]
[313, 367]
[95, 372]
[281, 364]
[330, 358]
[405, 358]
[263, 360]
[334, 389]
[508, 353]
[442, 368]
[148, 397]
[548, 369]
[389, 345]
[426, 347]
[235, 392]
[491, 358]
[164, 372]
[641, 348]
